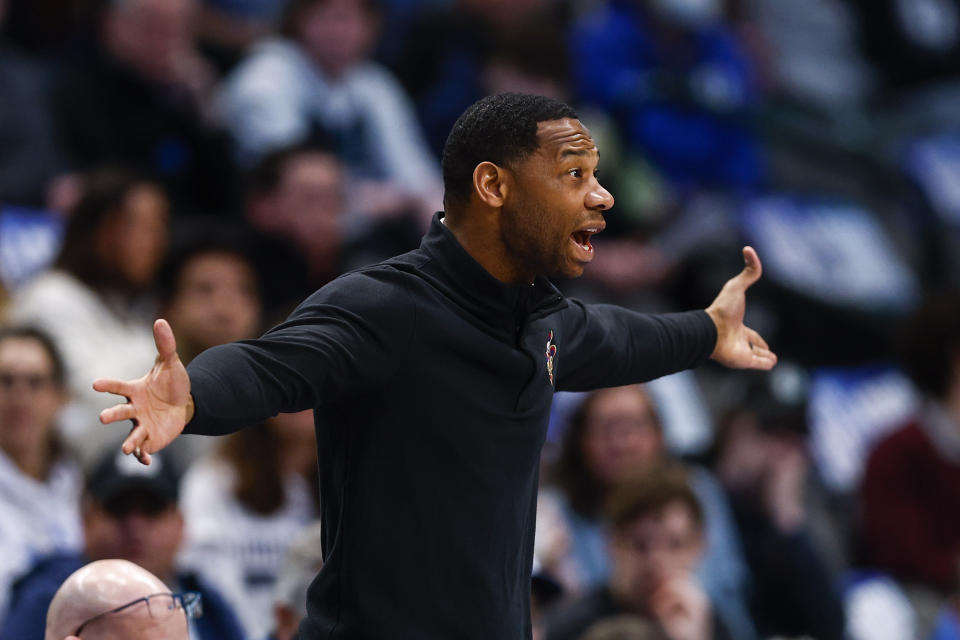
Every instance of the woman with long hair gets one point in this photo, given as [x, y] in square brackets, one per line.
[613, 435]
[39, 483]
[96, 302]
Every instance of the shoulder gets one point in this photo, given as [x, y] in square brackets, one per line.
[52, 285]
[270, 62]
[376, 80]
[907, 442]
[218, 615]
[207, 479]
[385, 287]
[44, 578]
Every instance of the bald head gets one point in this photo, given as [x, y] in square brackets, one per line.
[105, 585]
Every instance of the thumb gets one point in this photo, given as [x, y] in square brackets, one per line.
[163, 338]
[752, 269]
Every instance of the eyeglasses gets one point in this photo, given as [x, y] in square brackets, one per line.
[159, 606]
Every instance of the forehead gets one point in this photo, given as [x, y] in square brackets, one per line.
[24, 353]
[568, 136]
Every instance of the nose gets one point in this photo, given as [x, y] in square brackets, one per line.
[599, 199]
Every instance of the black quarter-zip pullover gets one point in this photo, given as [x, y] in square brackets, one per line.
[431, 383]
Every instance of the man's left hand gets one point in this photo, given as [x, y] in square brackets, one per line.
[739, 346]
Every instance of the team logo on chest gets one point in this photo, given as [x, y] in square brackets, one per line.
[550, 353]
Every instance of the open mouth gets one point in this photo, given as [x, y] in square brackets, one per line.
[581, 238]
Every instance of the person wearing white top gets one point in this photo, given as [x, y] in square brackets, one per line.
[39, 486]
[244, 506]
[318, 78]
[95, 303]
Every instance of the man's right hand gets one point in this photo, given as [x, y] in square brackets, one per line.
[159, 403]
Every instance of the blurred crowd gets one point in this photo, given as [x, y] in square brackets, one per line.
[215, 161]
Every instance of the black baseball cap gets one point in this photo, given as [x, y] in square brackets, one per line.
[117, 475]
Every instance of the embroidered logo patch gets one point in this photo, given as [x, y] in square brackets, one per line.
[551, 352]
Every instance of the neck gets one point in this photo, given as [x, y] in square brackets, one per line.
[483, 241]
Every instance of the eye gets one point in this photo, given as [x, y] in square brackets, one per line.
[576, 173]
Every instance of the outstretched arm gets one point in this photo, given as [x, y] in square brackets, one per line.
[159, 403]
[739, 346]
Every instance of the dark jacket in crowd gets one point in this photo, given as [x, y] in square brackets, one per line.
[108, 114]
[27, 617]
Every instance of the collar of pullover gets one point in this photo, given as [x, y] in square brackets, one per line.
[500, 304]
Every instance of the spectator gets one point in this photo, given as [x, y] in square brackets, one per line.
[245, 505]
[615, 433]
[298, 195]
[762, 463]
[211, 289]
[451, 55]
[300, 566]
[677, 82]
[211, 294]
[657, 539]
[118, 599]
[911, 486]
[141, 101]
[96, 302]
[130, 512]
[39, 484]
[29, 153]
[227, 29]
[317, 83]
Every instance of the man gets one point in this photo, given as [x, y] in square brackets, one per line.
[127, 514]
[432, 375]
[118, 599]
[657, 540]
[141, 100]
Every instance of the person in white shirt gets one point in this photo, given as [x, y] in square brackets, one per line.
[318, 82]
[39, 484]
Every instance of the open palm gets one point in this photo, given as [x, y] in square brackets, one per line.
[159, 403]
[738, 345]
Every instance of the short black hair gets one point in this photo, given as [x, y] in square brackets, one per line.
[41, 337]
[929, 342]
[203, 236]
[500, 129]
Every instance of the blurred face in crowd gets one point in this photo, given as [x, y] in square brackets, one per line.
[216, 300]
[337, 34]
[150, 35]
[137, 526]
[621, 435]
[653, 549]
[309, 199]
[29, 395]
[133, 240]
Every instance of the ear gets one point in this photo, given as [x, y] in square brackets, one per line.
[489, 184]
